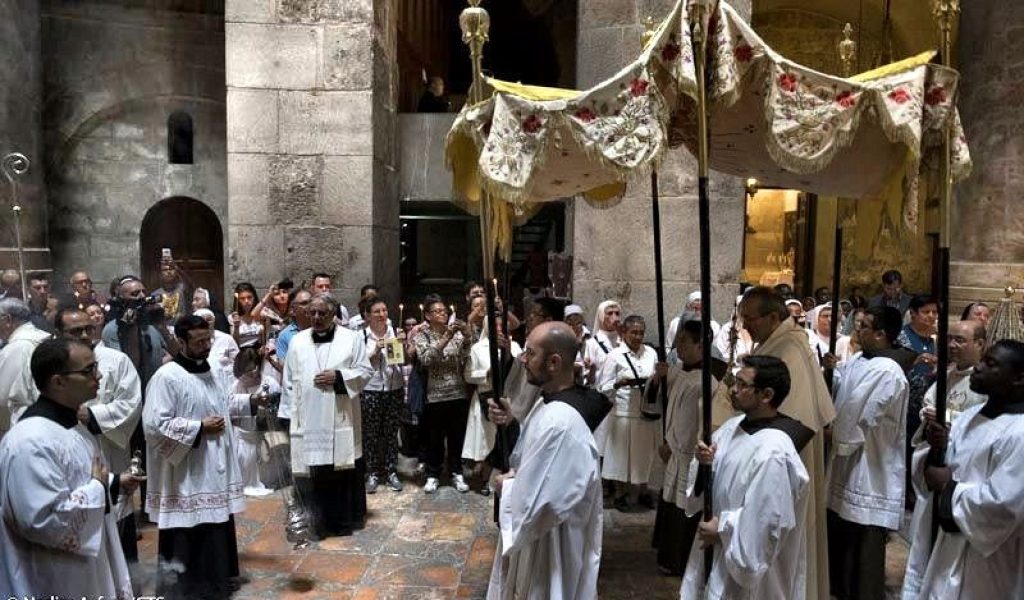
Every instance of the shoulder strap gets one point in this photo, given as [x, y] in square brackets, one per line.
[601, 344]
[631, 367]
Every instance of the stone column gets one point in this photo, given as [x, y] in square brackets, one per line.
[613, 248]
[988, 215]
[311, 154]
[21, 93]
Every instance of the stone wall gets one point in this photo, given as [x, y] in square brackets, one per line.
[988, 216]
[311, 125]
[613, 248]
[113, 76]
[21, 92]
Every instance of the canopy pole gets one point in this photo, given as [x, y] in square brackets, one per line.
[659, 277]
[946, 13]
[700, 20]
[15, 165]
[837, 269]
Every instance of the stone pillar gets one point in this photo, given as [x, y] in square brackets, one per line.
[988, 215]
[21, 100]
[311, 115]
[613, 248]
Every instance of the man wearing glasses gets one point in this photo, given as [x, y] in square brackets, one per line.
[114, 413]
[57, 496]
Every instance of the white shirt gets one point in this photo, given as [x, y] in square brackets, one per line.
[190, 484]
[759, 492]
[868, 475]
[385, 377]
[56, 538]
[17, 390]
[117, 407]
[550, 515]
[985, 560]
[596, 350]
[682, 428]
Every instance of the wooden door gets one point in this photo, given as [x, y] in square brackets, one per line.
[193, 233]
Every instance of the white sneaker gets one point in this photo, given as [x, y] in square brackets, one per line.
[459, 483]
[431, 486]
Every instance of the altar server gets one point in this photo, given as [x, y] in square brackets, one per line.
[58, 537]
[759, 496]
[866, 481]
[978, 551]
[195, 483]
[550, 511]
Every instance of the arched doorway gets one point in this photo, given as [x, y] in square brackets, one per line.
[193, 234]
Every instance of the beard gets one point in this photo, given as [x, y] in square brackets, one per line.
[537, 379]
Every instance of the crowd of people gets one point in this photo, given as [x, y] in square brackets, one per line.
[817, 453]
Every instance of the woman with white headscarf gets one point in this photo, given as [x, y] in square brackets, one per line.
[820, 320]
[694, 305]
[480, 432]
[604, 338]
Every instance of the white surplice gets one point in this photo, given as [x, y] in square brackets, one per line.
[550, 515]
[480, 432]
[326, 428]
[117, 406]
[631, 441]
[56, 537]
[190, 484]
[223, 353]
[682, 428]
[759, 492]
[868, 474]
[985, 560]
[17, 390]
[959, 397]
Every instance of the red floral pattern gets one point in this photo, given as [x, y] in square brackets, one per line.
[585, 114]
[638, 87]
[743, 53]
[899, 96]
[670, 52]
[846, 99]
[532, 124]
[935, 95]
[788, 82]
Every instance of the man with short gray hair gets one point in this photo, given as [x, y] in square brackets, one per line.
[17, 391]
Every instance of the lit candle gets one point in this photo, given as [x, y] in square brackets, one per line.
[401, 311]
[422, 315]
[452, 308]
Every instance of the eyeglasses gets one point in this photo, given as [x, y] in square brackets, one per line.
[744, 385]
[92, 369]
[78, 331]
[319, 313]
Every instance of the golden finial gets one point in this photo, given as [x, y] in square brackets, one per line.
[475, 23]
[847, 51]
[645, 37]
[1008, 291]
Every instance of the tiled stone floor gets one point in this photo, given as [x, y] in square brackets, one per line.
[420, 547]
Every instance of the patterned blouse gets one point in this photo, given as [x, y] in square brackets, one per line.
[444, 368]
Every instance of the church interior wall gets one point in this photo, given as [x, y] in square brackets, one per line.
[21, 91]
[113, 75]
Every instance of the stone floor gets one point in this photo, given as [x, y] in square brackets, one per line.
[420, 547]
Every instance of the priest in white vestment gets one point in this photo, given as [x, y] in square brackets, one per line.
[759, 493]
[765, 317]
[58, 531]
[866, 479]
[115, 412]
[195, 483]
[978, 551]
[17, 391]
[324, 374]
[550, 515]
[633, 435]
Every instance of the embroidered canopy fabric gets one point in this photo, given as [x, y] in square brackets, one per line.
[784, 124]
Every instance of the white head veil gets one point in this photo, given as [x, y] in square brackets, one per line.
[599, 315]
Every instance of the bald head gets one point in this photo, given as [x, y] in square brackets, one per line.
[550, 356]
[966, 343]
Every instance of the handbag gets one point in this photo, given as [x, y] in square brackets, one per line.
[417, 396]
[650, 410]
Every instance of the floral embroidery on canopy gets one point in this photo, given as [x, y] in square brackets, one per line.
[770, 118]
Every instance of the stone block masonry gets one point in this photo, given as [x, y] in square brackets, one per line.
[310, 128]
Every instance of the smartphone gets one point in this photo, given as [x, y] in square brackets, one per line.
[165, 254]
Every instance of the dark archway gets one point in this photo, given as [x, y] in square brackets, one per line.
[193, 234]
